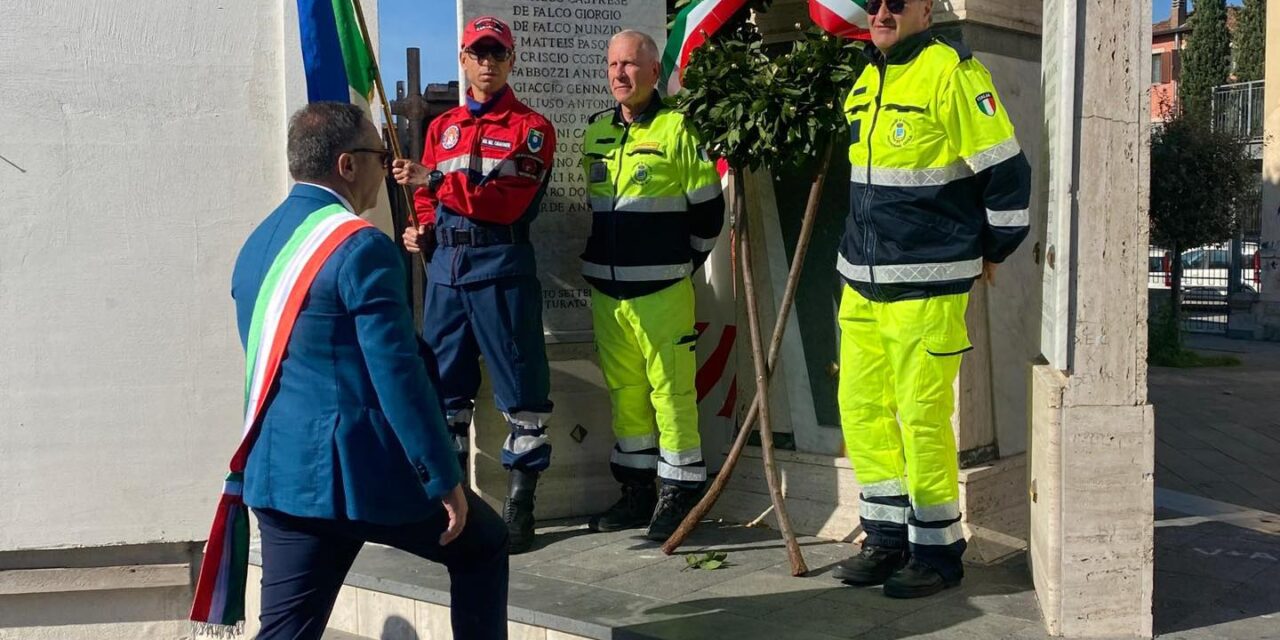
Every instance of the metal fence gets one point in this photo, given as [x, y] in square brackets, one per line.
[1210, 274]
[1238, 111]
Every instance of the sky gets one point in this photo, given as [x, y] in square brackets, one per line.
[431, 25]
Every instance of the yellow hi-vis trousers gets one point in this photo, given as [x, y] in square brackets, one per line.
[646, 348]
[898, 364]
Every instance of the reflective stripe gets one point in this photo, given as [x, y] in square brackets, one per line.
[636, 274]
[462, 416]
[897, 273]
[994, 155]
[672, 472]
[937, 512]
[688, 456]
[523, 444]
[638, 443]
[939, 537]
[664, 204]
[702, 244]
[486, 165]
[233, 487]
[1019, 218]
[634, 460]
[527, 419]
[882, 512]
[928, 177]
[884, 489]
[704, 193]
[601, 203]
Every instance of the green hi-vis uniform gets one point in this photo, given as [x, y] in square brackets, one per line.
[939, 184]
[657, 210]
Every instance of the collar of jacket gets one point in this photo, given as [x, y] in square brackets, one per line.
[903, 52]
[495, 105]
[648, 113]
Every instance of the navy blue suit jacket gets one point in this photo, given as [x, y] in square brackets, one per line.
[353, 428]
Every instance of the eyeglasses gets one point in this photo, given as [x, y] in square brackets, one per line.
[385, 156]
[896, 7]
[497, 54]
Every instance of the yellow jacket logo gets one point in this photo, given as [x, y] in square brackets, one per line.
[900, 133]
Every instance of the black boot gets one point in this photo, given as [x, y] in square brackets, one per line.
[873, 565]
[633, 509]
[674, 504]
[518, 513]
[916, 580]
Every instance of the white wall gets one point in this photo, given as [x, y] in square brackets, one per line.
[149, 136]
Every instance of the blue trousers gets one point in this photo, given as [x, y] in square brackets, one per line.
[500, 320]
[304, 561]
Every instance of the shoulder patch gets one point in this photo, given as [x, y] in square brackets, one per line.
[962, 50]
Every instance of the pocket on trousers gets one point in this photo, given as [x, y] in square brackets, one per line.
[682, 362]
[947, 346]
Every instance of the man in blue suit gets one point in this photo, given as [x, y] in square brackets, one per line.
[353, 446]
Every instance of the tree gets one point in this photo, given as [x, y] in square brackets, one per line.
[1200, 181]
[1250, 41]
[1207, 60]
[755, 109]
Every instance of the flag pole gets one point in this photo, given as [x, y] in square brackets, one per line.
[412, 218]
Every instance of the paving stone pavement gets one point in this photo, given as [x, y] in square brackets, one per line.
[1217, 553]
[1218, 441]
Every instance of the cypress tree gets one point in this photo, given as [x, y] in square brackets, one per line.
[1206, 60]
[1250, 41]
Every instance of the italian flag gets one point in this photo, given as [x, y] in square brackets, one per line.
[334, 54]
[694, 25]
[339, 68]
[844, 18]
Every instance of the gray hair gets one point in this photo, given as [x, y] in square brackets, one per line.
[318, 134]
[647, 45]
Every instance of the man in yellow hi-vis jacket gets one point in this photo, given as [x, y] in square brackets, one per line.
[939, 196]
[656, 212]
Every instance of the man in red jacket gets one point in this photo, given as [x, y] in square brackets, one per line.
[493, 156]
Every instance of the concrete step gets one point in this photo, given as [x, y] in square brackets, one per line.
[334, 634]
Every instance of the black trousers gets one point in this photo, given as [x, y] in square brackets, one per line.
[304, 562]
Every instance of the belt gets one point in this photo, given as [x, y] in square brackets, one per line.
[479, 237]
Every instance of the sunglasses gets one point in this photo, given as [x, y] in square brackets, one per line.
[896, 7]
[384, 155]
[497, 54]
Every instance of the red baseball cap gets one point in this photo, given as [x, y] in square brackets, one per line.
[487, 27]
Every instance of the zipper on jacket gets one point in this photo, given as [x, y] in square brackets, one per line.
[613, 204]
[868, 230]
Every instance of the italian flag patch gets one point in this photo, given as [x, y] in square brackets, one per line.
[986, 104]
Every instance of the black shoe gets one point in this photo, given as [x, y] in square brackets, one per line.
[873, 565]
[916, 580]
[674, 503]
[633, 509]
[518, 513]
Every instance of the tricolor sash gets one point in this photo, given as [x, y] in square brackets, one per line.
[218, 608]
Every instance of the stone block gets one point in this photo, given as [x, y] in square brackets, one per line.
[1092, 513]
[432, 621]
[384, 616]
[345, 616]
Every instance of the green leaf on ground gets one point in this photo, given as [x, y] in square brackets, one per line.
[710, 561]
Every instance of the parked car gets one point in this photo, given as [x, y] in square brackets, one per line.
[1206, 272]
